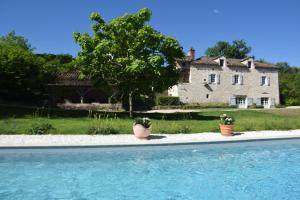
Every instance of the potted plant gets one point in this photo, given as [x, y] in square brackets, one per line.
[142, 127]
[226, 125]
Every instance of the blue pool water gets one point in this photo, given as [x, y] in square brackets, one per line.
[249, 170]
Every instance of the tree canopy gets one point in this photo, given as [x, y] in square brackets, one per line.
[128, 56]
[238, 49]
[289, 83]
[23, 73]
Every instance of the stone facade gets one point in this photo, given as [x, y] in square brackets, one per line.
[238, 82]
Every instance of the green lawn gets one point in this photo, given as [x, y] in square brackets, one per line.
[18, 120]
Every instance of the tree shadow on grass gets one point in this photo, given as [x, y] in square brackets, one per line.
[19, 112]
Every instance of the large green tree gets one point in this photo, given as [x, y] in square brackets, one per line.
[128, 56]
[19, 68]
[24, 73]
[238, 49]
[289, 84]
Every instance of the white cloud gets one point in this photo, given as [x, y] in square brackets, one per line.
[216, 11]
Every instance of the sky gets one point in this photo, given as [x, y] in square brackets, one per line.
[270, 27]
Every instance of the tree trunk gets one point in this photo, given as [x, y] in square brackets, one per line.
[130, 104]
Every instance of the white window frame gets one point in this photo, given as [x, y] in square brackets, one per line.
[240, 101]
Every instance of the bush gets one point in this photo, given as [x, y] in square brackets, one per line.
[167, 101]
[41, 129]
[292, 102]
[98, 130]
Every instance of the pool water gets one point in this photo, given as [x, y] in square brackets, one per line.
[267, 170]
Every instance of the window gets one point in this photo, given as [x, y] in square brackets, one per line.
[264, 101]
[235, 79]
[207, 96]
[263, 80]
[213, 78]
[221, 62]
[249, 64]
[240, 101]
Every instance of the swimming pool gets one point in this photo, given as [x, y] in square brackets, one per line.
[247, 170]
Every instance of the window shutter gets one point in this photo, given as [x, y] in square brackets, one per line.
[250, 101]
[232, 101]
[258, 102]
[261, 83]
[218, 78]
[209, 78]
[241, 79]
[272, 103]
[232, 80]
[268, 79]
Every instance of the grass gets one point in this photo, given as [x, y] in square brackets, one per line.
[19, 120]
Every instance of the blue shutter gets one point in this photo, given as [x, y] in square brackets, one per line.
[272, 103]
[250, 101]
[232, 101]
[241, 80]
[258, 102]
[209, 79]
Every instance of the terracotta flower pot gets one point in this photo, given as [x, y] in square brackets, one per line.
[226, 130]
[141, 132]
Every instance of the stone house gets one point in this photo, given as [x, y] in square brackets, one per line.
[238, 82]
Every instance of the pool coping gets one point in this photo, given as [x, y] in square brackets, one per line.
[98, 141]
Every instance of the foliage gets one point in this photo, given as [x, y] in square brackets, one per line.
[12, 40]
[19, 68]
[226, 120]
[167, 101]
[144, 121]
[24, 74]
[289, 84]
[40, 129]
[238, 49]
[128, 56]
[99, 130]
[140, 102]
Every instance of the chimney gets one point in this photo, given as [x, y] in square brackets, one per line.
[191, 53]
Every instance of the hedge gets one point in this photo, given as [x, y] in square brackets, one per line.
[167, 101]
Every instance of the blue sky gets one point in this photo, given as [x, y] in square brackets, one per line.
[271, 28]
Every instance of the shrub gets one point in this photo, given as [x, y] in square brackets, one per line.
[98, 130]
[292, 102]
[41, 129]
[145, 122]
[167, 101]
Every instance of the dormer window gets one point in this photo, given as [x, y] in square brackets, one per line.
[221, 62]
[249, 64]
